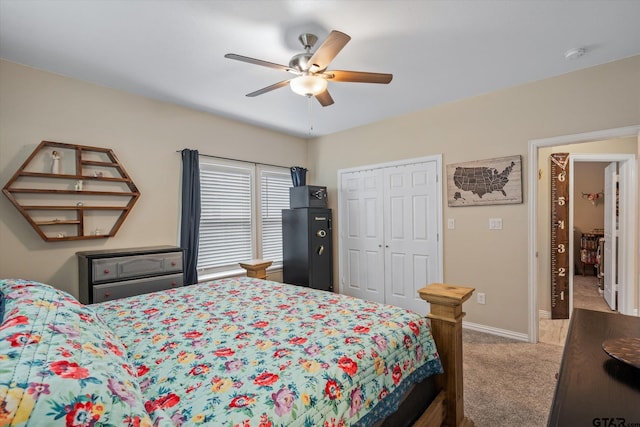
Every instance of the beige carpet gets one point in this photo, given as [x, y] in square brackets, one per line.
[511, 383]
[507, 382]
[586, 294]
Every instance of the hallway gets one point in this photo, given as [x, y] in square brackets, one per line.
[585, 295]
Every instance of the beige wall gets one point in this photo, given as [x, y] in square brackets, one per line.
[145, 135]
[492, 125]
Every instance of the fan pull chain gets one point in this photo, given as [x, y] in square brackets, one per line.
[309, 113]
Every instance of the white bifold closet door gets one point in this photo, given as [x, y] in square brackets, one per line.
[361, 219]
[389, 237]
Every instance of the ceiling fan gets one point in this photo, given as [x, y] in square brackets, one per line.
[311, 68]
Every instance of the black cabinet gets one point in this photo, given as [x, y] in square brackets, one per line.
[307, 248]
[111, 274]
[308, 196]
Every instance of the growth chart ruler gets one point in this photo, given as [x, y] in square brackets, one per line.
[559, 235]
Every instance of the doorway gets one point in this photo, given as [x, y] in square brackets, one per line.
[607, 238]
[539, 269]
[590, 203]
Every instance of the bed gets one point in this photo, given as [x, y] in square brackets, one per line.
[233, 352]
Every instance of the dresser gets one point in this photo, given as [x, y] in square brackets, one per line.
[111, 274]
[594, 389]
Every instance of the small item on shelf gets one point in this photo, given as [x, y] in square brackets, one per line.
[79, 204]
[97, 174]
[593, 197]
[61, 235]
[98, 232]
[78, 186]
[55, 163]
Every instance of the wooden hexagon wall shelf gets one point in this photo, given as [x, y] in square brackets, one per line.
[72, 192]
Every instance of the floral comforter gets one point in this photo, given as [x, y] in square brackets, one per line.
[60, 365]
[231, 352]
[248, 352]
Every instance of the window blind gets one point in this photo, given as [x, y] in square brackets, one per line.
[226, 226]
[274, 196]
[241, 216]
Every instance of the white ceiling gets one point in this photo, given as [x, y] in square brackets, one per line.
[438, 51]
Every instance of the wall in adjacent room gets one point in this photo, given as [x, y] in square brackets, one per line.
[588, 179]
[144, 134]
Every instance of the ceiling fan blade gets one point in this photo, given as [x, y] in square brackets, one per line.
[324, 98]
[268, 88]
[261, 62]
[328, 50]
[358, 76]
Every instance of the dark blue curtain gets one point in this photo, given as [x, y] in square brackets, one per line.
[190, 227]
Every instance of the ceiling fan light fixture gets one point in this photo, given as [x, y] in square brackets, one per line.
[311, 69]
[308, 85]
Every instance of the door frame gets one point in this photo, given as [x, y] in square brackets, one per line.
[534, 145]
[438, 159]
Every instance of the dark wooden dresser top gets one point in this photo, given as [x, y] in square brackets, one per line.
[594, 389]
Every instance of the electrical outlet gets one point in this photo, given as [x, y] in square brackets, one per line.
[482, 298]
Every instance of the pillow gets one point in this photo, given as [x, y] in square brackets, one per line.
[59, 363]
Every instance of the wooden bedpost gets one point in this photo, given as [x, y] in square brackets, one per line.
[446, 325]
[256, 268]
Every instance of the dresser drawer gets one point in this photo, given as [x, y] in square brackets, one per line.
[173, 262]
[138, 266]
[105, 270]
[111, 291]
[108, 270]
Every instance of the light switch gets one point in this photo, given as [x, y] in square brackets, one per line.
[495, 223]
[451, 223]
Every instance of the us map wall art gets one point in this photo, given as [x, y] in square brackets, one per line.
[485, 182]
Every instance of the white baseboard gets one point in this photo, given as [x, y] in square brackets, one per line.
[495, 331]
[544, 314]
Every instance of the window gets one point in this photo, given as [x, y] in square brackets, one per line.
[241, 216]
[274, 196]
